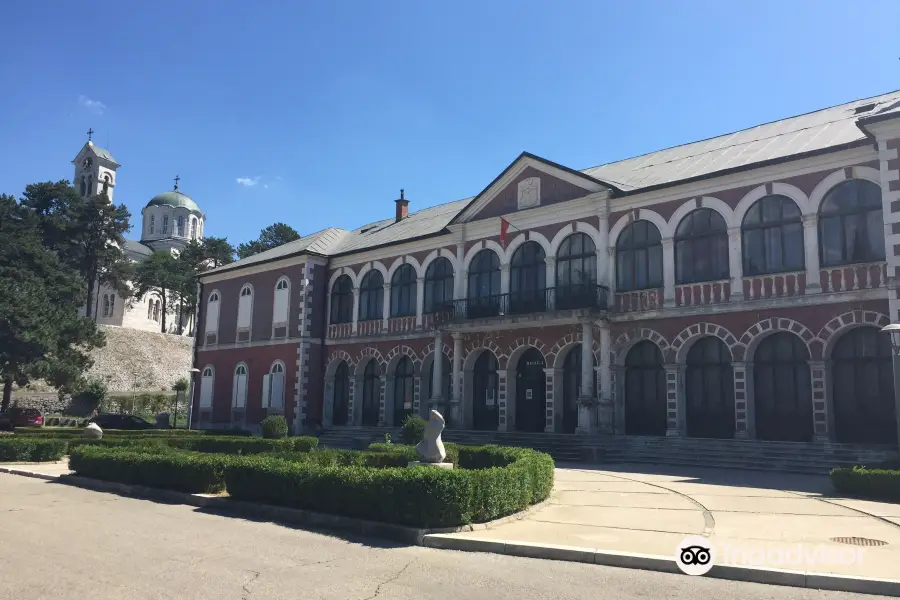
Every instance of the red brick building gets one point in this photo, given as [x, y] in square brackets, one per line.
[729, 288]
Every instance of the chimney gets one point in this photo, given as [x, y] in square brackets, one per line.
[402, 208]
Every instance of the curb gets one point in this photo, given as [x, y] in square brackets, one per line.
[32, 474]
[665, 564]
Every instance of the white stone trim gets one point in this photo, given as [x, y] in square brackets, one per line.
[778, 189]
[438, 253]
[529, 236]
[821, 190]
[399, 262]
[703, 202]
[478, 246]
[565, 232]
[643, 214]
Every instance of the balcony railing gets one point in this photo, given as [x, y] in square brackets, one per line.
[525, 302]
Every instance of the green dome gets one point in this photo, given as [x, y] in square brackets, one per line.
[176, 199]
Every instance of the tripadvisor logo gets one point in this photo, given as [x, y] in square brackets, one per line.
[695, 555]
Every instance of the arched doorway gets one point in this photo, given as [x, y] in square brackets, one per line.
[341, 394]
[486, 387]
[571, 389]
[403, 391]
[862, 388]
[645, 390]
[531, 390]
[370, 394]
[709, 387]
[782, 389]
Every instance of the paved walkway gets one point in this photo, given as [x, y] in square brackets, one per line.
[747, 515]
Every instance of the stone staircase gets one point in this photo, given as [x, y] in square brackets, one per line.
[793, 457]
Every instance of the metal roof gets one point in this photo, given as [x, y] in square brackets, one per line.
[816, 131]
[137, 250]
[819, 131]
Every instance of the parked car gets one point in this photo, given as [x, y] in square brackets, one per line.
[25, 417]
[114, 421]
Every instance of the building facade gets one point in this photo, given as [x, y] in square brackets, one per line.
[169, 222]
[730, 288]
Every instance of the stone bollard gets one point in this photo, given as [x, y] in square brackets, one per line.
[93, 432]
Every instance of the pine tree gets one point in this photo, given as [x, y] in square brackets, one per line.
[218, 251]
[160, 274]
[272, 236]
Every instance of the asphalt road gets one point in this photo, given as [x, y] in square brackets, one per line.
[64, 543]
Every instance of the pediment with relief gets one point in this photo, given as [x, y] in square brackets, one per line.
[529, 182]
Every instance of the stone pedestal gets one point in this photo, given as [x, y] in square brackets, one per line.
[418, 463]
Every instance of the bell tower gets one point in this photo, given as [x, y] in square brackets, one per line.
[95, 170]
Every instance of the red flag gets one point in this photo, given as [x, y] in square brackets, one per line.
[504, 227]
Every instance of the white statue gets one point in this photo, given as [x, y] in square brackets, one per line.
[431, 448]
[93, 432]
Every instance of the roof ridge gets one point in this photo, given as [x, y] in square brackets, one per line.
[721, 135]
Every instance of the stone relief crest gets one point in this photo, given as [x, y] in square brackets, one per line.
[529, 192]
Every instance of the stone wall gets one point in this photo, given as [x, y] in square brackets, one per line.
[158, 359]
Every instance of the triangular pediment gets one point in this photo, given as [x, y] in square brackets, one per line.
[91, 149]
[529, 182]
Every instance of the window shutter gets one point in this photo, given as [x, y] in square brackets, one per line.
[277, 391]
[206, 385]
[244, 311]
[240, 391]
[212, 316]
[281, 306]
[266, 400]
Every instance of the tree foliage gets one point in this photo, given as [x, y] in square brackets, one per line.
[41, 333]
[272, 236]
[159, 273]
[218, 251]
[87, 233]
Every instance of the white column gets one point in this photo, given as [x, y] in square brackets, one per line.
[437, 379]
[459, 275]
[385, 306]
[668, 246]
[504, 278]
[420, 300]
[605, 416]
[811, 251]
[457, 382]
[603, 263]
[550, 264]
[355, 309]
[735, 264]
[586, 393]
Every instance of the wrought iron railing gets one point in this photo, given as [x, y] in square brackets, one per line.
[525, 302]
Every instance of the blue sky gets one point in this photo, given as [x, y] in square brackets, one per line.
[316, 113]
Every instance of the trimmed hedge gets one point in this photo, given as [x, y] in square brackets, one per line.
[419, 497]
[409, 453]
[29, 449]
[242, 445]
[880, 484]
[189, 472]
[274, 427]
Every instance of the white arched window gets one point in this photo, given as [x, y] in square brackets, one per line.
[193, 228]
[112, 305]
[282, 296]
[206, 388]
[239, 389]
[212, 314]
[105, 305]
[165, 228]
[152, 223]
[273, 387]
[180, 231]
[245, 307]
[150, 309]
[157, 306]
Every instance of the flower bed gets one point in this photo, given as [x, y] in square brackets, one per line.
[27, 449]
[877, 483]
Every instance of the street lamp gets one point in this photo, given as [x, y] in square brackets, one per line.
[190, 414]
[894, 330]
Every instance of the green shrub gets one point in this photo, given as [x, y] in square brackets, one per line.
[188, 472]
[17, 448]
[411, 454]
[89, 398]
[241, 445]
[413, 429]
[274, 427]
[419, 497]
[181, 385]
[881, 484]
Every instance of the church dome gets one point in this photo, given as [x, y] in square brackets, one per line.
[175, 199]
